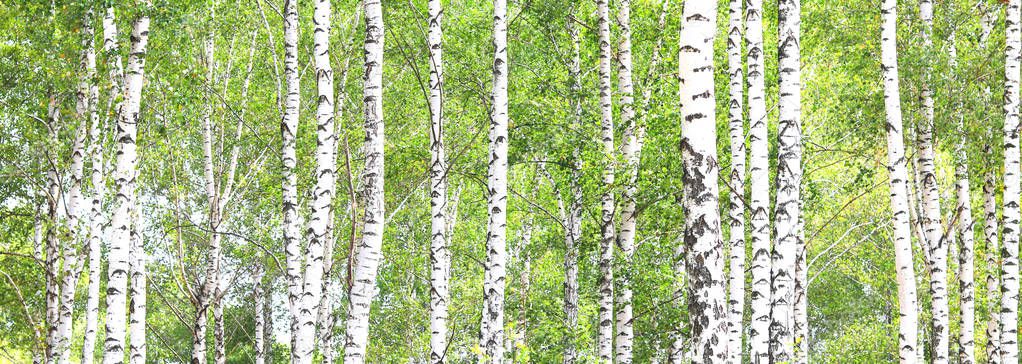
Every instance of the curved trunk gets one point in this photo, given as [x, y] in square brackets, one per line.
[789, 184]
[707, 300]
[907, 323]
[492, 338]
[370, 250]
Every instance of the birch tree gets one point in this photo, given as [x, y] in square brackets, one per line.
[993, 332]
[369, 250]
[789, 182]
[492, 328]
[707, 299]
[631, 150]
[288, 129]
[907, 321]
[439, 253]
[125, 177]
[605, 328]
[1010, 232]
[736, 206]
[760, 183]
[963, 212]
[573, 218]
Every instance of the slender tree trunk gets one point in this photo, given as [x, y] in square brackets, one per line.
[605, 328]
[1009, 250]
[289, 127]
[993, 262]
[53, 198]
[370, 249]
[631, 151]
[931, 219]
[801, 297]
[125, 180]
[760, 186]
[677, 352]
[96, 216]
[966, 276]
[907, 322]
[573, 223]
[439, 253]
[77, 230]
[496, 236]
[736, 207]
[207, 290]
[789, 184]
[707, 300]
[258, 295]
[137, 314]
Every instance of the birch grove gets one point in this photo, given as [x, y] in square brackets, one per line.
[215, 193]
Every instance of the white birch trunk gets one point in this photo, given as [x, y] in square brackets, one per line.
[289, 128]
[573, 223]
[993, 330]
[125, 176]
[801, 297]
[966, 277]
[492, 328]
[631, 151]
[789, 182]
[206, 295]
[96, 216]
[707, 299]
[52, 269]
[137, 289]
[908, 321]
[439, 253]
[605, 326]
[1009, 250]
[259, 341]
[736, 207]
[370, 249]
[759, 180]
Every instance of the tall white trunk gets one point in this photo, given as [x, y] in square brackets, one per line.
[96, 216]
[789, 184]
[631, 150]
[966, 268]
[933, 230]
[993, 256]
[707, 300]
[439, 253]
[124, 178]
[605, 328]
[759, 180]
[369, 250]
[573, 218]
[52, 269]
[908, 321]
[207, 290]
[736, 207]
[259, 341]
[76, 228]
[323, 195]
[801, 297]
[1009, 250]
[492, 328]
[288, 129]
[137, 290]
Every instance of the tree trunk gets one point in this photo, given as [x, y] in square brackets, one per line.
[907, 323]
[677, 353]
[289, 127]
[736, 208]
[605, 329]
[137, 316]
[760, 186]
[439, 253]
[126, 173]
[993, 262]
[573, 223]
[789, 182]
[631, 151]
[801, 297]
[707, 300]
[1009, 250]
[370, 249]
[496, 240]
[259, 342]
[54, 197]
[966, 276]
